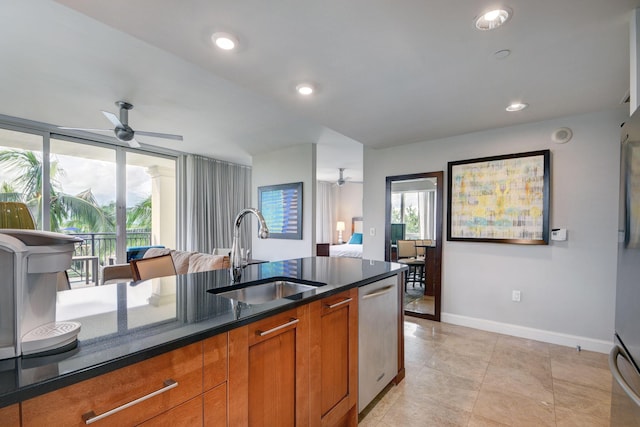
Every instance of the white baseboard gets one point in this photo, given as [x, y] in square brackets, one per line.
[551, 337]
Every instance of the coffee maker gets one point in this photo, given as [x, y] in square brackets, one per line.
[30, 261]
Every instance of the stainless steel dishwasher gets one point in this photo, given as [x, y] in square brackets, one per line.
[378, 338]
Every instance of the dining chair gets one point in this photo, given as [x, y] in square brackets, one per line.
[420, 247]
[406, 249]
[148, 268]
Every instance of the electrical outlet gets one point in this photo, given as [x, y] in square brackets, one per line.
[515, 296]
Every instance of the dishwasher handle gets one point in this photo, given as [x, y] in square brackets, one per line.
[615, 371]
[378, 292]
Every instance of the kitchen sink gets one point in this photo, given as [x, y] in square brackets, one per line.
[260, 294]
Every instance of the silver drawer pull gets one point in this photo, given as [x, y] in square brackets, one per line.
[277, 328]
[377, 293]
[338, 304]
[91, 417]
[617, 375]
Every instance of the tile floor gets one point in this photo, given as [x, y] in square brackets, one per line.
[457, 376]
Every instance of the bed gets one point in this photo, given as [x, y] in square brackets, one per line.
[353, 248]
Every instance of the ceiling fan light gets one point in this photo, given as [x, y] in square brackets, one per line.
[224, 41]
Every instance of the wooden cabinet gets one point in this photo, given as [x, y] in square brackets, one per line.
[299, 367]
[334, 360]
[10, 416]
[269, 371]
[295, 368]
[71, 405]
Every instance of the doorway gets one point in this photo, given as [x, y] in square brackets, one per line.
[413, 235]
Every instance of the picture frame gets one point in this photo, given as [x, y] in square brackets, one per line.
[500, 199]
[281, 207]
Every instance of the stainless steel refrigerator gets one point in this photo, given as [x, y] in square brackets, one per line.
[624, 360]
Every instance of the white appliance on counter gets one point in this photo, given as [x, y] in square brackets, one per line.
[30, 261]
[377, 338]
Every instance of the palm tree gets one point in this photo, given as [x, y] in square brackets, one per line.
[81, 207]
[139, 216]
[9, 194]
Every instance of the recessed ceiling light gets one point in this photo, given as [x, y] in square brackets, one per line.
[517, 106]
[493, 19]
[305, 89]
[224, 41]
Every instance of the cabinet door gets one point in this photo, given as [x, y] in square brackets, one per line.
[10, 416]
[69, 406]
[269, 371]
[334, 360]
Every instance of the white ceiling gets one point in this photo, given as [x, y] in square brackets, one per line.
[389, 72]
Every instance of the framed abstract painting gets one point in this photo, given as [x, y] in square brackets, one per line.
[500, 199]
[281, 207]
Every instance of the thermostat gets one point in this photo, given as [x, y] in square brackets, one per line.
[559, 234]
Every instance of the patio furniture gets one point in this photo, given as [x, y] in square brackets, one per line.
[148, 268]
[89, 260]
[137, 252]
[184, 262]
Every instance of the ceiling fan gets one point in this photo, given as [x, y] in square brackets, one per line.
[341, 180]
[122, 130]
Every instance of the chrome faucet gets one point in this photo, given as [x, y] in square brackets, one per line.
[236, 255]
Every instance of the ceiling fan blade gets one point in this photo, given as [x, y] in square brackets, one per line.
[160, 135]
[87, 129]
[113, 119]
[133, 143]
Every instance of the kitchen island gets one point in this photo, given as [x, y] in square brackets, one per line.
[124, 325]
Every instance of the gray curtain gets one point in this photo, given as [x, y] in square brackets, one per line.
[427, 209]
[210, 193]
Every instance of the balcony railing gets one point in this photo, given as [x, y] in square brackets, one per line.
[102, 246]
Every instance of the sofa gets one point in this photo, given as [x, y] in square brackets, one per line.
[184, 262]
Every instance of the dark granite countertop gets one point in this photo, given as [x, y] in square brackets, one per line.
[126, 323]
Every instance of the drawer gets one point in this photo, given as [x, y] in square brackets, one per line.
[215, 407]
[263, 330]
[187, 414]
[67, 406]
[215, 360]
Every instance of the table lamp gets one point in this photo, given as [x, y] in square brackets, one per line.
[340, 228]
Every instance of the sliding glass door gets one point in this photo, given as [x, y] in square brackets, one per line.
[150, 200]
[111, 196]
